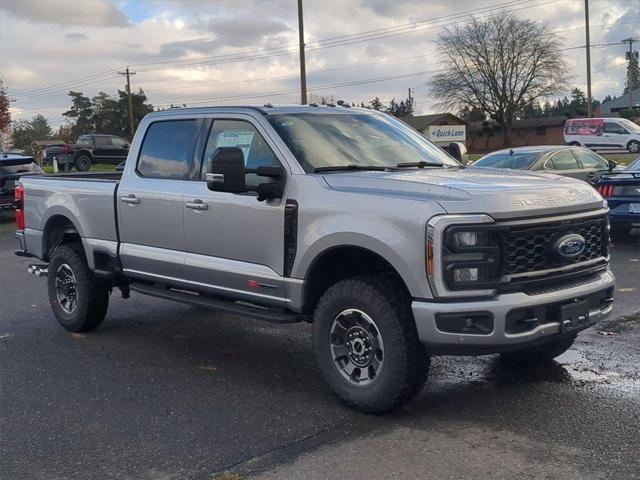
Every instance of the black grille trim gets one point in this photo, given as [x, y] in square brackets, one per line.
[528, 248]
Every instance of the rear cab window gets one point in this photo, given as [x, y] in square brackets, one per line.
[167, 149]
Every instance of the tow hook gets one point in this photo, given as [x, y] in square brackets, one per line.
[39, 270]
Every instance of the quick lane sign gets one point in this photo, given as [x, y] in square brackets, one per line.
[447, 133]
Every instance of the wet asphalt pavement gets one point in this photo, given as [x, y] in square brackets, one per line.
[168, 391]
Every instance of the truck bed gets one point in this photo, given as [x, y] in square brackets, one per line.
[86, 199]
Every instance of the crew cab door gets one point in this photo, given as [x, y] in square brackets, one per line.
[119, 149]
[151, 203]
[234, 243]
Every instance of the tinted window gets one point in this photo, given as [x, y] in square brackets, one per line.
[590, 160]
[237, 133]
[167, 149]
[102, 141]
[85, 139]
[15, 167]
[563, 160]
[610, 127]
[515, 160]
[118, 142]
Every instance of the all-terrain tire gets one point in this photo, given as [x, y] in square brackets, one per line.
[405, 364]
[83, 163]
[91, 296]
[541, 353]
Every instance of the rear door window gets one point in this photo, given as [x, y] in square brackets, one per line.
[167, 149]
[562, 160]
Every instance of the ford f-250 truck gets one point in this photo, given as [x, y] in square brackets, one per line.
[346, 218]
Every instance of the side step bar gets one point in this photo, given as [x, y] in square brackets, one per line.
[216, 303]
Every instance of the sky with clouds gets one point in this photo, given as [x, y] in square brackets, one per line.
[245, 51]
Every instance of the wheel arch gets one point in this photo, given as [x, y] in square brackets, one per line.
[59, 229]
[340, 262]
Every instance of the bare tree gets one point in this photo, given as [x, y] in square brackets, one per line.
[498, 65]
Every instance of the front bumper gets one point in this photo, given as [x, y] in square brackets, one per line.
[500, 339]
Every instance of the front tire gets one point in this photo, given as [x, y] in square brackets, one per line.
[633, 146]
[540, 353]
[83, 163]
[77, 299]
[366, 345]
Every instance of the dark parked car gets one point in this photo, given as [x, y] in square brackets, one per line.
[90, 149]
[576, 162]
[622, 191]
[12, 167]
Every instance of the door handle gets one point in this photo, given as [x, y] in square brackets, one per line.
[131, 199]
[197, 205]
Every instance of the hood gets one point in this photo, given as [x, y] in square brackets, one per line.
[500, 193]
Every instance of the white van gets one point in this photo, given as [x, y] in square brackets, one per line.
[598, 133]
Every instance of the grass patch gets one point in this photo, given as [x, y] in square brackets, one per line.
[228, 476]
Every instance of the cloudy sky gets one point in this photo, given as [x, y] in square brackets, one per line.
[245, 51]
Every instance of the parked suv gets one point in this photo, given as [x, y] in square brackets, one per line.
[341, 217]
[597, 133]
[12, 167]
[90, 149]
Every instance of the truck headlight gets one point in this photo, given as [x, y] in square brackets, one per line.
[471, 258]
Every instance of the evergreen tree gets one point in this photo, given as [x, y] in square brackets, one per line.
[376, 104]
[633, 75]
[80, 113]
[26, 131]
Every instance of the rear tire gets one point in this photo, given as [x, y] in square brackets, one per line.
[633, 146]
[78, 300]
[83, 163]
[540, 353]
[370, 317]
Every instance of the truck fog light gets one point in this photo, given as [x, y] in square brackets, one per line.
[465, 275]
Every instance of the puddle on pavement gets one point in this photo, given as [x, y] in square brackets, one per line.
[572, 367]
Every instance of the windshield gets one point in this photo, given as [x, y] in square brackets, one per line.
[629, 125]
[516, 161]
[358, 139]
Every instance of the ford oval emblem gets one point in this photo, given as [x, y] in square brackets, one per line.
[570, 246]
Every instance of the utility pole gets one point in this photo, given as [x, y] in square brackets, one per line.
[588, 47]
[410, 98]
[303, 68]
[127, 74]
[630, 54]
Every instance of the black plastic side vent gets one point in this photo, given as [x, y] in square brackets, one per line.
[290, 235]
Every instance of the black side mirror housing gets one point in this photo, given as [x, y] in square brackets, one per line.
[458, 151]
[226, 171]
[612, 164]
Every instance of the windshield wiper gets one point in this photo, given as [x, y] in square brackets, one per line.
[420, 164]
[351, 166]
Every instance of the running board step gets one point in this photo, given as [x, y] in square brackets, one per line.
[215, 303]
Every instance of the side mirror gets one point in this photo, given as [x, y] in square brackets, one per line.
[458, 151]
[225, 171]
[612, 164]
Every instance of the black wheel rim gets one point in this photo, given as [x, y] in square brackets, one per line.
[357, 349]
[66, 288]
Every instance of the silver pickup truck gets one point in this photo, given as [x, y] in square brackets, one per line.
[345, 218]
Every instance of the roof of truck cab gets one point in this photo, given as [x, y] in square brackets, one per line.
[266, 110]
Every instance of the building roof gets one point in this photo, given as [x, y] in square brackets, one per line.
[420, 122]
[621, 102]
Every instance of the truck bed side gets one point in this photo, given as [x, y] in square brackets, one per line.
[55, 205]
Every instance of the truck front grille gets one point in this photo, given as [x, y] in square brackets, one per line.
[529, 248]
